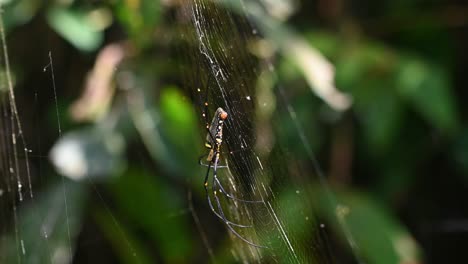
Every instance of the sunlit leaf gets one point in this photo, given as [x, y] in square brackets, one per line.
[155, 207]
[316, 69]
[428, 88]
[76, 27]
[376, 235]
[178, 126]
[178, 111]
[89, 154]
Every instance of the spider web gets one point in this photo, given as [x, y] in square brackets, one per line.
[259, 162]
[261, 165]
[36, 228]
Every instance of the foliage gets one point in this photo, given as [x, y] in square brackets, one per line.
[391, 146]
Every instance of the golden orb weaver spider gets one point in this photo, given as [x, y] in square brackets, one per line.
[214, 140]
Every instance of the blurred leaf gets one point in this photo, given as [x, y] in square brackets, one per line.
[398, 173]
[382, 121]
[307, 113]
[125, 245]
[428, 88]
[43, 227]
[378, 236]
[164, 132]
[326, 42]
[316, 69]
[365, 63]
[177, 109]
[89, 153]
[297, 216]
[139, 18]
[76, 27]
[366, 71]
[156, 208]
[178, 126]
[18, 12]
[367, 68]
[382, 82]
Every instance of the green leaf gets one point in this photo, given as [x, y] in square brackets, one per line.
[155, 207]
[15, 13]
[428, 89]
[127, 246]
[76, 27]
[178, 111]
[382, 120]
[179, 127]
[139, 18]
[377, 235]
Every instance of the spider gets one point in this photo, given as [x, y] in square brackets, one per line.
[214, 140]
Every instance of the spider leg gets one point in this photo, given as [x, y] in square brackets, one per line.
[230, 196]
[211, 204]
[220, 209]
[230, 227]
[227, 194]
[208, 165]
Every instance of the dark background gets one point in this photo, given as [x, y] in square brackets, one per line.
[402, 147]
